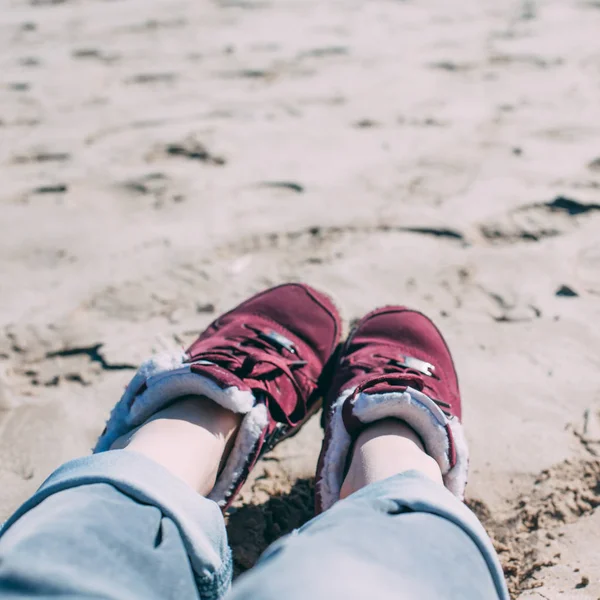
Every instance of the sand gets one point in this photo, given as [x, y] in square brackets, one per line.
[160, 161]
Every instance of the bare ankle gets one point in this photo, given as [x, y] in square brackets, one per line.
[386, 448]
[190, 437]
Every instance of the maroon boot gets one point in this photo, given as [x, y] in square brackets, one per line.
[395, 364]
[263, 359]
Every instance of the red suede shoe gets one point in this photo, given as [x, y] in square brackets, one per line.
[263, 359]
[395, 364]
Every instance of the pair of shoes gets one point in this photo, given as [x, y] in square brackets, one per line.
[275, 356]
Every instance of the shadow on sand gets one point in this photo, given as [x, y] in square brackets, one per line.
[253, 527]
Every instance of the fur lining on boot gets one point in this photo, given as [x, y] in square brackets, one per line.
[166, 377]
[412, 407]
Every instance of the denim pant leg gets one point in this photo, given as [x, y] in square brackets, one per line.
[404, 538]
[115, 525]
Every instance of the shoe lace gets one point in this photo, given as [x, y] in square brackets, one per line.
[398, 370]
[259, 358]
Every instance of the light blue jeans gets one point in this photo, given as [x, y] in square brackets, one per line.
[116, 525]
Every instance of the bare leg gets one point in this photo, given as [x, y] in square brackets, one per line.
[384, 449]
[191, 438]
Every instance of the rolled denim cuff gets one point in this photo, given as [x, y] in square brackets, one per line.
[198, 519]
[411, 491]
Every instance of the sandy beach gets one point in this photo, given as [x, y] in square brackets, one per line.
[160, 161]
